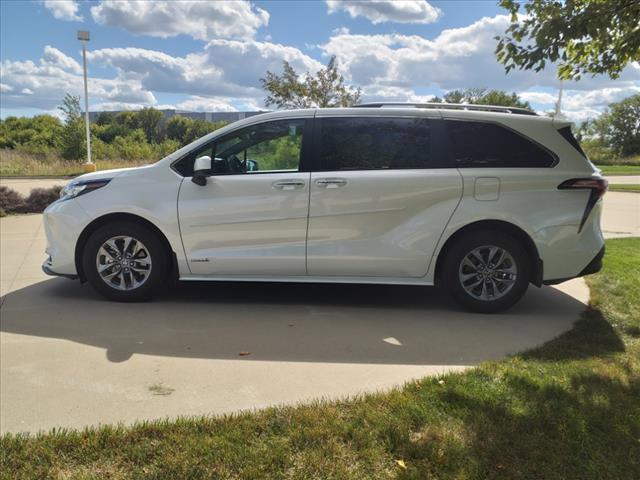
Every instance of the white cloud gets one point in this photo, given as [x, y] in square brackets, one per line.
[377, 93]
[223, 68]
[543, 98]
[578, 105]
[197, 19]
[455, 58]
[54, 57]
[4, 88]
[42, 85]
[64, 9]
[204, 104]
[399, 11]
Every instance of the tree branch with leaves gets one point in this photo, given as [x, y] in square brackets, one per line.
[583, 36]
[291, 90]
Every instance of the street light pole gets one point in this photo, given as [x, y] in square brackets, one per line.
[83, 36]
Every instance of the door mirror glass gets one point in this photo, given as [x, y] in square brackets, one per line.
[201, 170]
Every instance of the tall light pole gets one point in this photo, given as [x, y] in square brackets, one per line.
[83, 36]
[559, 102]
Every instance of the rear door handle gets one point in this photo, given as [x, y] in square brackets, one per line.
[331, 182]
[289, 184]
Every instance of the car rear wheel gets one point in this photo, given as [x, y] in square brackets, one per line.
[487, 272]
[125, 262]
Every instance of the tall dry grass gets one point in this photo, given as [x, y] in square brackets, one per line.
[18, 164]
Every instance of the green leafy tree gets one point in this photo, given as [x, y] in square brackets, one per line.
[149, 120]
[291, 90]
[482, 96]
[37, 135]
[105, 118]
[128, 119]
[73, 134]
[584, 36]
[620, 126]
[177, 128]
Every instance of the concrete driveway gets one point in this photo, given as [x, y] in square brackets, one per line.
[69, 358]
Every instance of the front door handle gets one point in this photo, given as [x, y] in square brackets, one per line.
[331, 182]
[289, 184]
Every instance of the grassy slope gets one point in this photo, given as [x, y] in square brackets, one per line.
[619, 169]
[624, 188]
[567, 410]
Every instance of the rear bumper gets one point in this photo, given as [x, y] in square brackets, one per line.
[594, 266]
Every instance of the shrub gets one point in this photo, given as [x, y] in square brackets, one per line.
[11, 201]
[2, 212]
[41, 198]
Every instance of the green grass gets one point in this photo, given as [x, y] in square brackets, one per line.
[619, 187]
[569, 409]
[619, 169]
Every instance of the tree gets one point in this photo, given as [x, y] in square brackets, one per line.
[177, 127]
[325, 89]
[585, 36]
[149, 120]
[37, 135]
[480, 96]
[73, 141]
[620, 125]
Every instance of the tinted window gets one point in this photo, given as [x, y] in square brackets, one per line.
[266, 147]
[366, 143]
[475, 144]
[568, 136]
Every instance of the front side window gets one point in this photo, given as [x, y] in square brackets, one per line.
[477, 144]
[262, 148]
[374, 143]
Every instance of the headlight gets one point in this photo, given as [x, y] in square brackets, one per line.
[76, 188]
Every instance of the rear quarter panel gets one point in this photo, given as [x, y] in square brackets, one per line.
[529, 199]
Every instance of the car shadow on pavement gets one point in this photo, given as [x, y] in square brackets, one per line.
[374, 324]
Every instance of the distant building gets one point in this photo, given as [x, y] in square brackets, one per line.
[208, 116]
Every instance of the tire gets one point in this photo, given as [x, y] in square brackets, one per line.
[501, 285]
[108, 248]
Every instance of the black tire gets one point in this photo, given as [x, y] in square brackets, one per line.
[463, 247]
[158, 274]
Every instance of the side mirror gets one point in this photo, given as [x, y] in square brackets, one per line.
[201, 169]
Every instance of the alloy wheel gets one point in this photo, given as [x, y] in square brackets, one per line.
[123, 263]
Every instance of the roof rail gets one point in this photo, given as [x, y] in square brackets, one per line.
[449, 106]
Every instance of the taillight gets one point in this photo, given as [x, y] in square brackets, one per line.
[597, 186]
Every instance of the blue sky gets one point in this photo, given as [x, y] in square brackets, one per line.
[210, 55]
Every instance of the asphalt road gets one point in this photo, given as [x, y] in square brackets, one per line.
[68, 358]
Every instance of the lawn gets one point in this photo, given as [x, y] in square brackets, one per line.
[619, 169]
[619, 187]
[566, 410]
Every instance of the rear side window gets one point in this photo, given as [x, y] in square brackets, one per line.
[477, 144]
[568, 136]
[367, 143]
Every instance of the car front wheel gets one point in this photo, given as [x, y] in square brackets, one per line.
[125, 262]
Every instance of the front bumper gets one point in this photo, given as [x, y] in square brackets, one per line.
[63, 223]
[47, 269]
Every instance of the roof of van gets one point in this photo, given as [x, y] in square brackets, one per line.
[434, 110]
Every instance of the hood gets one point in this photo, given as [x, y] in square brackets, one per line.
[104, 174]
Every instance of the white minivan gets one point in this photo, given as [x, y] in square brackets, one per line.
[478, 200]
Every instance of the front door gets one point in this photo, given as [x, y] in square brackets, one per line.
[382, 196]
[251, 216]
